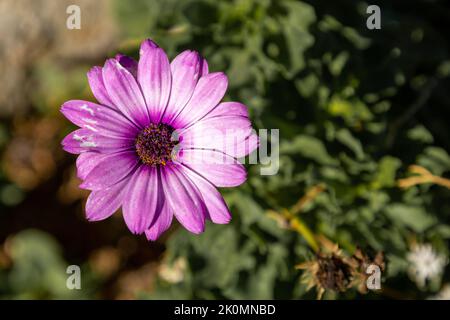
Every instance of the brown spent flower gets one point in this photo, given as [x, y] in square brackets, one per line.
[333, 270]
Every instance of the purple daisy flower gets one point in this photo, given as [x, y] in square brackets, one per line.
[128, 156]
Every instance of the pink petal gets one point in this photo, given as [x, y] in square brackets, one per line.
[99, 119]
[110, 170]
[205, 68]
[217, 209]
[250, 144]
[146, 45]
[86, 162]
[103, 203]
[209, 91]
[155, 78]
[226, 128]
[143, 199]
[128, 63]
[218, 168]
[125, 93]
[95, 79]
[230, 108]
[186, 69]
[83, 140]
[225, 133]
[161, 223]
[184, 199]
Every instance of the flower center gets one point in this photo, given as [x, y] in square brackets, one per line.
[154, 144]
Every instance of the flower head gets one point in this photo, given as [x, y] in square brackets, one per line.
[159, 141]
[331, 269]
[425, 264]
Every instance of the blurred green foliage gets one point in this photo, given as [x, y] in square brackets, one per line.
[38, 271]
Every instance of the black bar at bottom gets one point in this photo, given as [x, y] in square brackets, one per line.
[216, 309]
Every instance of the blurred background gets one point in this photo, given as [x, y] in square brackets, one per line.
[364, 162]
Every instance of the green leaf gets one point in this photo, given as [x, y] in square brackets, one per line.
[387, 169]
[415, 218]
[353, 111]
[308, 147]
[435, 159]
[421, 134]
[345, 137]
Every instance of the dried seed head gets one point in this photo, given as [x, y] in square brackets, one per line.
[333, 273]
